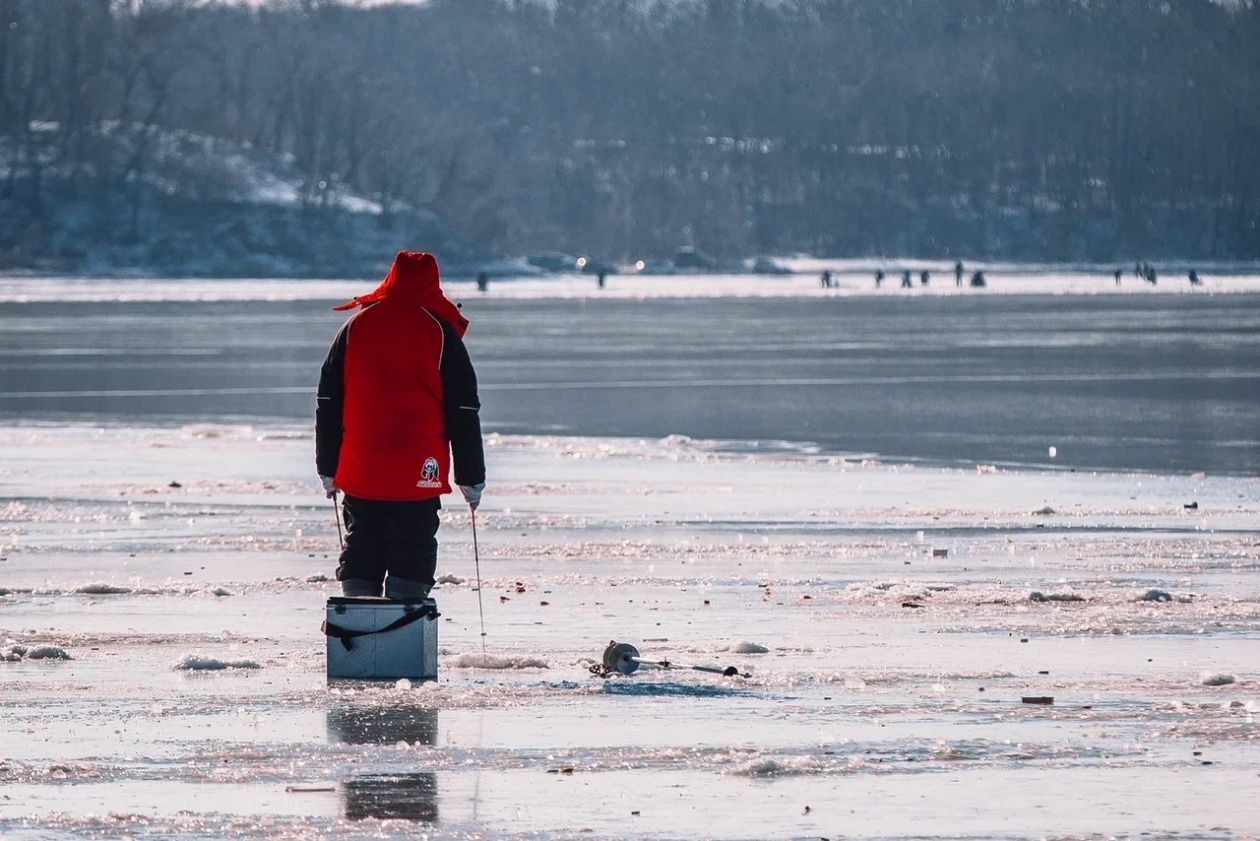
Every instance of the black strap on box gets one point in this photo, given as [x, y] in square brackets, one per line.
[346, 635]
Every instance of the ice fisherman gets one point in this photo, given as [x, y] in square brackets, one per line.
[397, 400]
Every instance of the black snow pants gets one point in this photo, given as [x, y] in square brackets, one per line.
[394, 538]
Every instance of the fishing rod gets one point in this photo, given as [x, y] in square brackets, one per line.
[337, 516]
[622, 658]
[481, 613]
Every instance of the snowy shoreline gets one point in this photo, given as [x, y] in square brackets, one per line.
[849, 279]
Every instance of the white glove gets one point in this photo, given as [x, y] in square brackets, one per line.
[330, 489]
[472, 494]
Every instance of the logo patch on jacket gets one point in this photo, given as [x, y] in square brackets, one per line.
[429, 474]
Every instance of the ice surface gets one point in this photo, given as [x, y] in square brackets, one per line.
[888, 721]
[980, 383]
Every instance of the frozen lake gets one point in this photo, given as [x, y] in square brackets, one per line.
[1137, 379]
[846, 494]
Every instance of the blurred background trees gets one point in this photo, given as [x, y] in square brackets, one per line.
[1112, 129]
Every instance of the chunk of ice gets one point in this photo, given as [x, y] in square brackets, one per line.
[491, 661]
[199, 663]
[102, 589]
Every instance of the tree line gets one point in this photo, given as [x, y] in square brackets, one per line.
[1112, 129]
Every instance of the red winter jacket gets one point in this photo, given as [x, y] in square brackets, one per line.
[397, 392]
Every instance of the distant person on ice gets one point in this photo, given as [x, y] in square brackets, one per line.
[397, 396]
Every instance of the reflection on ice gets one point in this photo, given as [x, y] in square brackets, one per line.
[409, 797]
[359, 725]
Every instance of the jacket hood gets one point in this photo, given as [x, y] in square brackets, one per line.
[414, 278]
